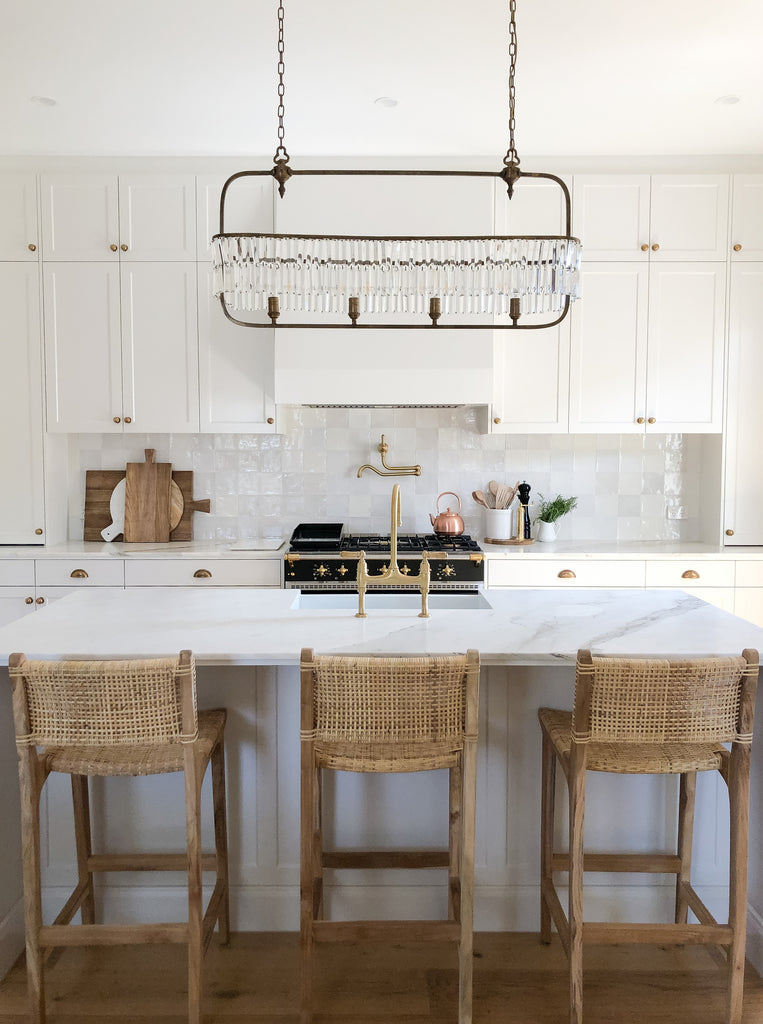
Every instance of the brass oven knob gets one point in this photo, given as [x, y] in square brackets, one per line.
[447, 570]
[566, 574]
[28, 600]
[737, 247]
[113, 248]
[320, 570]
[33, 248]
[645, 247]
[640, 419]
[40, 600]
[78, 574]
[651, 420]
[729, 533]
[655, 247]
[202, 574]
[690, 574]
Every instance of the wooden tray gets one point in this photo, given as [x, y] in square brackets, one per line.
[512, 540]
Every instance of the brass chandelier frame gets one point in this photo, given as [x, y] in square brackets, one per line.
[510, 173]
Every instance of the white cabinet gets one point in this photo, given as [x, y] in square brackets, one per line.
[748, 596]
[16, 589]
[183, 572]
[647, 348]
[22, 512]
[531, 379]
[663, 218]
[742, 519]
[18, 217]
[709, 580]
[747, 218]
[565, 572]
[121, 347]
[105, 218]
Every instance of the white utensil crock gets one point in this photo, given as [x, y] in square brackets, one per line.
[498, 523]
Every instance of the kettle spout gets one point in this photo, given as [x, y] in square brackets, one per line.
[431, 519]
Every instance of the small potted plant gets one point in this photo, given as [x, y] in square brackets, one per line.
[550, 512]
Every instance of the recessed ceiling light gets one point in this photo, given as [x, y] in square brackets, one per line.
[44, 101]
[385, 101]
[727, 101]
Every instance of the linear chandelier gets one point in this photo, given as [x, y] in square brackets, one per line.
[340, 274]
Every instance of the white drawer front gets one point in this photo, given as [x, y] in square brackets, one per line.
[80, 572]
[17, 573]
[567, 572]
[685, 574]
[749, 574]
[251, 572]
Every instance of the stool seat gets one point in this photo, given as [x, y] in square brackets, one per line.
[633, 758]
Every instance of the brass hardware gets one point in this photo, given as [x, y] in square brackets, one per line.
[640, 419]
[342, 570]
[392, 574]
[383, 448]
[128, 419]
[28, 600]
[353, 309]
[38, 531]
[114, 248]
[476, 558]
[436, 555]
[729, 533]
[32, 247]
[117, 419]
[645, 248]
[435, 311]
[655, 247]
[405, 569]
[292, 557]
[651, 420]
[320, 570]
[690, 574]
[447, 570]
[273, 309]
[270, 420]
[123, 248]
[202, 574]
[737, 247]
[40, 600]
[78, 574]
[566, 574]
[496, 419]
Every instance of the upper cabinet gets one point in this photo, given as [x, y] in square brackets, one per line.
[666, 217]
[103, 218]
[19, 238]
[747, 218]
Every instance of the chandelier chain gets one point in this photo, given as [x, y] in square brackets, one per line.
[280, 152]
[512, 158]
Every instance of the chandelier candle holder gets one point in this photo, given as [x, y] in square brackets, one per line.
[462, 276]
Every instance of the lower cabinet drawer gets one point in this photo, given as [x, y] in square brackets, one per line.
[165, 572]
[688, 574]
[80, 572]
[749, 574]
[565, 573]
[17, 572]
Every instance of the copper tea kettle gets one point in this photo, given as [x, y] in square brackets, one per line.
[448, 522]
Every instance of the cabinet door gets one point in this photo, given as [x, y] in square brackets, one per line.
[610, 214]
[685, 352]
[15, 602]
[689, 218]
[21, 448]
[80, 217]
[83, 356]
[744, 418]
[157, 217]
[531, 390]
[747, 218]
[748, 604]
[608, 350]
[160, 367]
[18, 217]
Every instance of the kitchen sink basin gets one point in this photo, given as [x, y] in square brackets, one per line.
[319, 601]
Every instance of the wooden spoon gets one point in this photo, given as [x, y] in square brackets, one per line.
[479, 497]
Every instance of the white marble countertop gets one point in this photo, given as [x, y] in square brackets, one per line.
[246, 626]
[631, 550]
[259, 548]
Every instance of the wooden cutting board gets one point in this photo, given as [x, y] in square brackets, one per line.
[100, 483]
[147, 500]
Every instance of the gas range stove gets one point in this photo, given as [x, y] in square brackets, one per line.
[322, 557]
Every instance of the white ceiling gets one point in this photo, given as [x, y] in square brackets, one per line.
[198, 77]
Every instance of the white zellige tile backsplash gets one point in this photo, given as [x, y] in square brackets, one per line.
[262, 485]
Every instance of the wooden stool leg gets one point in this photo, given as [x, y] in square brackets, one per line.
[455, 805]
[310, 828]
[195, 909]
[466, 861]
[687, 792]
[577, 822]
[739, 806]
[548, 793]
[30, 854]
[82, 835]
[221, 837]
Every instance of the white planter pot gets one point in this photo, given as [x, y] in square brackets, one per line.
[546, 531]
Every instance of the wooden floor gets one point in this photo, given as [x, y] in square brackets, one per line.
[517, 981]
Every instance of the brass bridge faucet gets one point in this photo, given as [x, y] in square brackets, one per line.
[393, 574]
[383, 448]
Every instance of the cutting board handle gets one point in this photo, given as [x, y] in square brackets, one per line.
[150, 454]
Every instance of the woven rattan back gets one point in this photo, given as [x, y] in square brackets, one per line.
[104, 703]
[649, 700]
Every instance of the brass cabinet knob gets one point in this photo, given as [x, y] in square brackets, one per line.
[33, 248]
[123, 248]
[113, 247]
[117, 419]
[40, 600]
[28, 600]
[737, 247]
[729, 533]
[655, 247]
[645, 247]
[640, 419]
[566, 574]
[202, 574]
[270, 420]
[78, 574]
[496, 419]
[128, 419]
[38, 531]
[690, 574]
[651, 420]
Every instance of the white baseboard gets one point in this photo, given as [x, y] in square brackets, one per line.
[11, 937]
[755, 939]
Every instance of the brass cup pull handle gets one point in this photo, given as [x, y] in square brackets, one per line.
[78, 574]
[737, 247]
[566, 574]
[28, 600]
[202, 574]
[690, 574]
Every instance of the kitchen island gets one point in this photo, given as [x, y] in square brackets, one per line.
[247, 644]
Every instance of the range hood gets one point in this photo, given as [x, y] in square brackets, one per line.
[434, 367]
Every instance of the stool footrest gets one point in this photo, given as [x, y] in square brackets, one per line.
[651, 863]
[147, 862]
[388, 931]
[661, 934]
[386, 859]
[111, 934]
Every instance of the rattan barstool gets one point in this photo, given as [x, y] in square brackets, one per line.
[642, 716]
[383, 714]
[104, 718]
